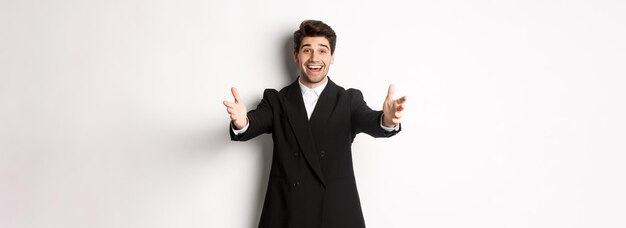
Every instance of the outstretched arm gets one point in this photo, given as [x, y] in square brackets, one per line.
[385, 123]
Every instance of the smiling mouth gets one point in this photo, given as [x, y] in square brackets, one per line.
[314, 68]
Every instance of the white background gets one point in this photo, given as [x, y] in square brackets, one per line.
[111, 112]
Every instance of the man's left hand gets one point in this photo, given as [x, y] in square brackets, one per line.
[392, 109]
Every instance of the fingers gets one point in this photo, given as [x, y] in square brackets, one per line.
[390, 91]
[234, 109]
[400, 108]
[232, 113]
[394, 106]
[401, 100]
[233, 117]
[399, 103]
[228, 104]
[397, 115]
[235, 94]
[230, 108]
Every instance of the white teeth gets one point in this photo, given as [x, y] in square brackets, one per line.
[315, 67]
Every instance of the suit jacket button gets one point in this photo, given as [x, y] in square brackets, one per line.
[296, 154]
[322, 153]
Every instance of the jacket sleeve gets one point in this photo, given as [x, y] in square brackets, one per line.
[260, 119]
[364, 119]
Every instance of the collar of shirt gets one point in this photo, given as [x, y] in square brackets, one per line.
[317, 90]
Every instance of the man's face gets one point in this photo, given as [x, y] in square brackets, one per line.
[314, 58]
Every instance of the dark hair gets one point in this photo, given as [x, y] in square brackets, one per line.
[310, 28]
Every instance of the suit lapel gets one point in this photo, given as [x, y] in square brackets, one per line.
[324, 108]
[296, 114]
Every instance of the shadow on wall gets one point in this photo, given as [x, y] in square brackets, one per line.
[265, 141]
[210, 142]
[291, 68]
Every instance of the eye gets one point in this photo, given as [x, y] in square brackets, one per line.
[306, 50]
[323, 51]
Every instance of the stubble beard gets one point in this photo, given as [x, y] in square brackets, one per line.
[313, 79]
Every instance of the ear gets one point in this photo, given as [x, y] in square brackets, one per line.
[295, 57]
[332, 58]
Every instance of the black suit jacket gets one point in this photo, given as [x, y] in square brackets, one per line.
[311, 181]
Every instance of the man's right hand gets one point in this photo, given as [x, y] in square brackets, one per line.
[237, 111]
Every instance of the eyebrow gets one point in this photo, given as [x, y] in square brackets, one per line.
[309, 45]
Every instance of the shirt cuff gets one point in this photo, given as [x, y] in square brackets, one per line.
[240, 131]
[388, 129]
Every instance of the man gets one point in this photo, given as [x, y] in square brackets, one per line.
[313, 122]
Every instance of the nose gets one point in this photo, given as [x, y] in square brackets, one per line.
[313, 56]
